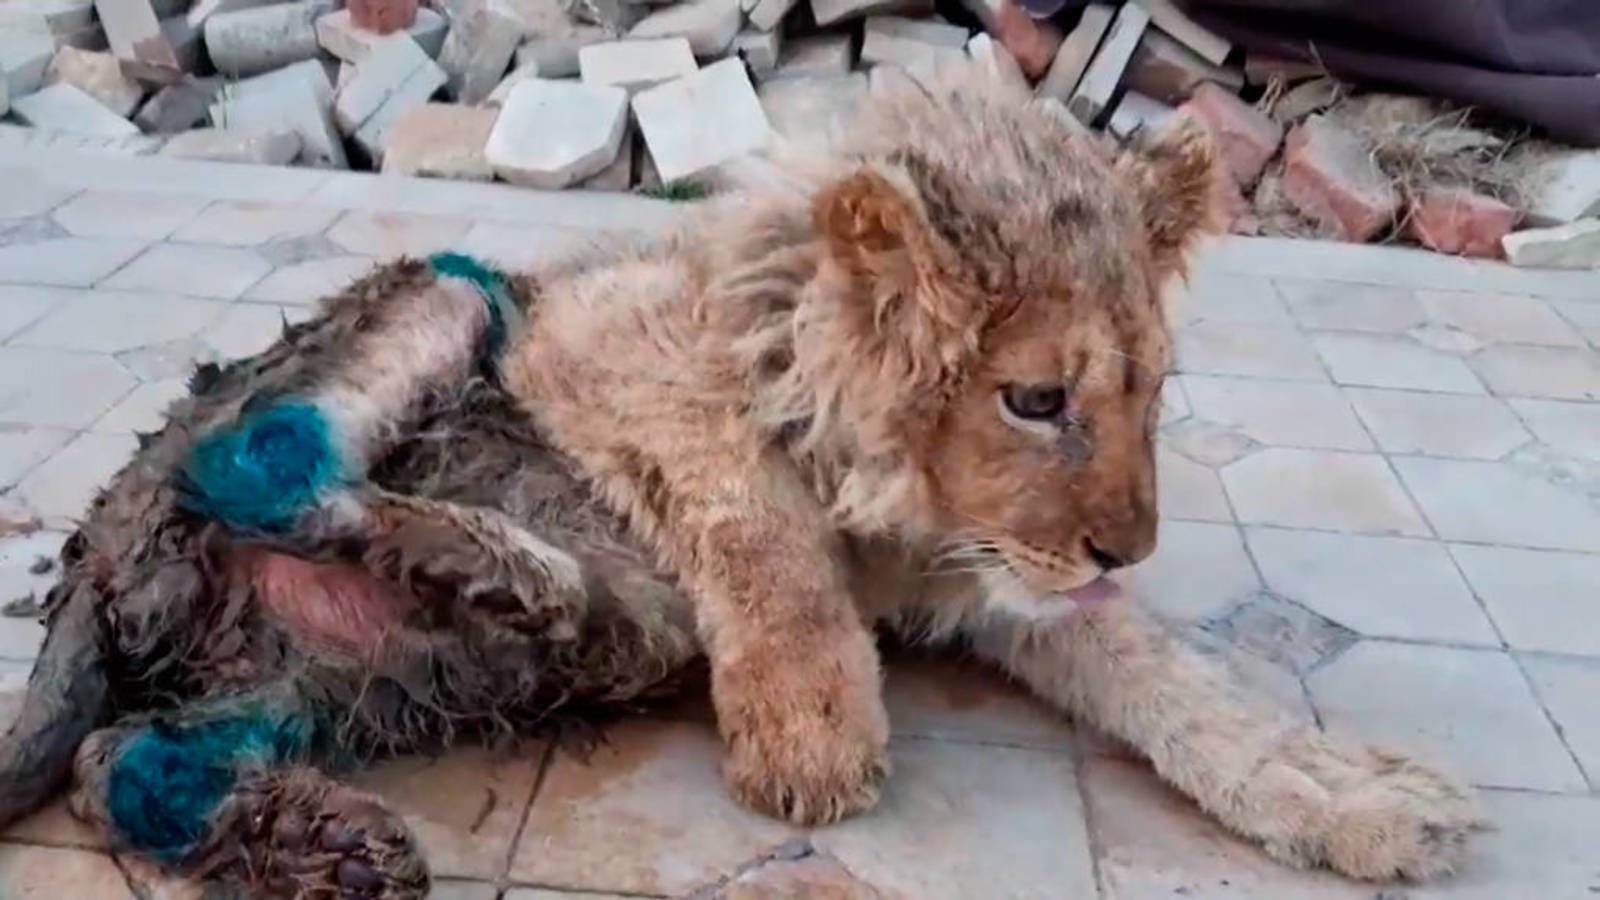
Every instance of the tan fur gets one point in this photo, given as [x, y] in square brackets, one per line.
[795, 401]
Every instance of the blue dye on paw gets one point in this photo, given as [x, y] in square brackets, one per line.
[492, 287]
[168, 780]
[263, 472]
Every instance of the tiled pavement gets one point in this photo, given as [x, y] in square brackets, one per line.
[1381, 482]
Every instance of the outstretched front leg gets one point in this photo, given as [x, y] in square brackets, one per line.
[1308, 799]
[225, 791]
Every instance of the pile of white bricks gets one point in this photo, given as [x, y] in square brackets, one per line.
[623, 94]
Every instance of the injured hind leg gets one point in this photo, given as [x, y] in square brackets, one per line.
[225, 793]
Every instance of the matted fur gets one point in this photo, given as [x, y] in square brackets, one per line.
[753, 440]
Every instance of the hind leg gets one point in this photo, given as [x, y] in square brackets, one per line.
[225, 791]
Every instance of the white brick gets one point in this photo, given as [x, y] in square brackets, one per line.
[251, 41]
[709, 25]
[759, 49]
[395, 77]
[1099, 82]
[97, 74]
[178, 107]
[1565, 187]
[25, 53]
[65, 108]
[619, 175]
[551, 134]
[557, 55]
[912, 45]
[203, 10]
[635, 65]
[1138, 116]
[135, 34]
[767, 15]
[995, 61]
[826, 12]
[701, 121]
[343, 39]
[22, 136]
[62, 17]
[441, 140]
[1165, 15]
[497, 97]
[819, 55]
[812, 112]
[296, 98]
[478, 50]
[1572, 246]
[274, 148]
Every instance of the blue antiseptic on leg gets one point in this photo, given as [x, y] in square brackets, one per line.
[492, 287]
[264, 471]
[168, 780]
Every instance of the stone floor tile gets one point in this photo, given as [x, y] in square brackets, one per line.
[1540, 846]
[1199, 570]
[249, 328]
[1558, 373]
[167, 360]
[1189, 490]
[464, 807]
[145, 409]
[1377, 360]
[1471, 426]
[20, 637]
[1584, 315]
[54, 825]
[22, 305]
[194, 270]
[1494, 503]
[240, 223]
[310, 281]
[1500, 318]
[388, 235]
[61, 487]
[647, 813]
[1343, 306]
[150, 881]
[950, 812]
[1377, 586]
[518, 246]
[129, 214]
[113, 321]
[1469, 711]
[1208, 443]
[965, 702]
[467, 890]
[52, 873]
[25, 195]
[517, 893]
[1227, 297]
[1278, 413]
[1174, 402]
[1569, 428]
[50, 387]
[1321, 489]
[65, 262]
[1229, 348]
[24, 446]
[1152, 842]
[1541, 599]
[1568, 686]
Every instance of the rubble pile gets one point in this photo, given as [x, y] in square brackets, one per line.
[656, 94]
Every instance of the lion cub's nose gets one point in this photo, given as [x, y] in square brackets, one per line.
[1103, 559]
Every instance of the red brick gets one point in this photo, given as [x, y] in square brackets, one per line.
[1456, 220]
[1331, 178]
[1245, 136]
[383, 16]
[1033, 43]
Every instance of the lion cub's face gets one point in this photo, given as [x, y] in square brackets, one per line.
[1005, 281]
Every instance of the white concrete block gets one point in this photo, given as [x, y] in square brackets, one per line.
[477, 51]
[203, 10]
[826, 12]
[97, 74]
[497, 97]
[5, 96]
[64, 107]
[1076, 50]
[759, 49]
[909, 43]
[296, 98]
[135, 35]
[812, 113]
[273, 148]
[178, 107]
[1137, 115]
[635, 65]
[551, 134]
[25, 53]
[709, 25]
[395, 76]
[1165, 15]
[767, 15]
[700, 121]
[1575, 245]
[441, 140]
[619, 175]
[995, 61]
[557, 55]
[339, 36]
[251, 41]
[62, 17]
[24, 137]
[1565, 187]
[817, 56]
[1099, 83]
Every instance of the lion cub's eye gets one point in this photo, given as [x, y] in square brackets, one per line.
[1035, 402]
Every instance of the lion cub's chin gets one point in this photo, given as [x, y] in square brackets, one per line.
[1005, 593]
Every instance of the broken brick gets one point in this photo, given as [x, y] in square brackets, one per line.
[1460, 221]
[382, 16]
[1246, 138]
[1332, 179]
[97, 74]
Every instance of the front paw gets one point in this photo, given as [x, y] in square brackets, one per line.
[809, 746]
[1370, 813]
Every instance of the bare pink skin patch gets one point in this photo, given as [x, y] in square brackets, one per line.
[335, 605]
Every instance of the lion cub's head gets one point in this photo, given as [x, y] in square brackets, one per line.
[994, 285]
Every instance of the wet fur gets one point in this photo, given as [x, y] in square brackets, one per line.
[752, 441]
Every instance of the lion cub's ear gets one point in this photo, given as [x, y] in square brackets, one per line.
[863, 217]
[1180, 190]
